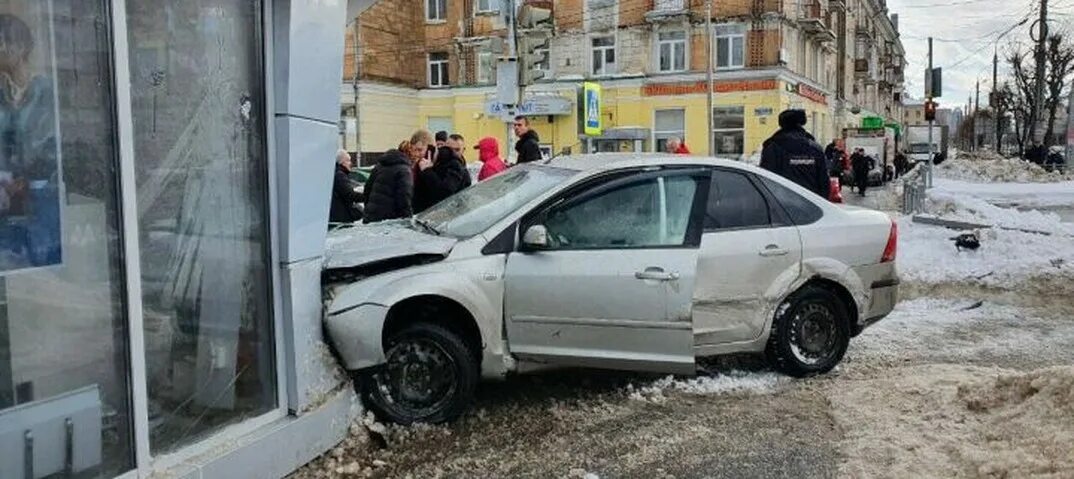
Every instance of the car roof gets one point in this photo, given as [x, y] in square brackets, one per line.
[607, 161]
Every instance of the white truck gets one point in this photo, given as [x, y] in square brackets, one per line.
[917, 142]
[878, 143]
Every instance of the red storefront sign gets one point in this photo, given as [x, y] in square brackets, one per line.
[811, 93]
[665, 89]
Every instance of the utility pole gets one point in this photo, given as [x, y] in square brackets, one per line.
[929, 88]
[708, 73]
[354, 84]
[976, 111]
[996, 100]
[512, 25]
[1038, 100]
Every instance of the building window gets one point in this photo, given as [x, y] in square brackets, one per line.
[603, 55]
[730, 46]
[486, 69]
[203, 215]
[488, 6]
[436, 10]
[668, 124]
[671, 51]
[438, 70]
[729, 130]
[63, 321]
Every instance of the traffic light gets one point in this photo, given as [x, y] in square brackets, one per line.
[533, 52]
[535, 35]
[930, 110]
[531, 17]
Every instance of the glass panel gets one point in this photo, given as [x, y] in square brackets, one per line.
[723, 54]
[598, 63]
[801, 211]
[474, 210]
[670, 120]
[731, 143]
[679, 192]
[665, 56]
[609, 56]
[734, 203]
[738, 51]
[628, 216]
[63, 326]
[603, 41]
[725, 117]
[199, 123]
[680, 56]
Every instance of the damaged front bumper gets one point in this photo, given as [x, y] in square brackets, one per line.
[356, 334]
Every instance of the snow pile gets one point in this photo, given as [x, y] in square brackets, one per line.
[734, 382]
[958, 421]
[972, 209]
[989, 167]
[928, 255]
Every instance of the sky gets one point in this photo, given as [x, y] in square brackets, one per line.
[965, 35]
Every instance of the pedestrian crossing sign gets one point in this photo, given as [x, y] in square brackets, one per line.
[591, 109]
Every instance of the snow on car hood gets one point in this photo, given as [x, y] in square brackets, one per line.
[364, 244]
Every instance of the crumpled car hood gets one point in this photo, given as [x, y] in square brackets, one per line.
[365, 244]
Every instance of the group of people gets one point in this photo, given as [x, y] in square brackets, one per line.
[421, 172]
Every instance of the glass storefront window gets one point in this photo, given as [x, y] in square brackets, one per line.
[63, 327]
[200, 158]
[729, 130]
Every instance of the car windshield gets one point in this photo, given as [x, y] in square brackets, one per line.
[476, 209]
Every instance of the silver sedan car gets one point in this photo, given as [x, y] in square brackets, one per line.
[641, 263]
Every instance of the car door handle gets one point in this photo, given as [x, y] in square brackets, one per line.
[773, 251]
[656, 274]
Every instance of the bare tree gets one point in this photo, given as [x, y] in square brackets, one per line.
[1060, 61]
[1021, 95]
[1005, 103]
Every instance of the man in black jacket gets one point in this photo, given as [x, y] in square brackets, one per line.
[442, 178]
[344, 197]
[794, 154]
[528, 145]
[389, 192]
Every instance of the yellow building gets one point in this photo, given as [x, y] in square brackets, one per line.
[649, 58]
[638, 114]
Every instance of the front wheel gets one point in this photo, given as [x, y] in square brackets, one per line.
[430, 377]
[810, 334]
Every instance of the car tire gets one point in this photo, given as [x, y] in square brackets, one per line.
[429, 376]
[810, 333]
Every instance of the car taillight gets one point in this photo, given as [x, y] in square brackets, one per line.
[892, 246]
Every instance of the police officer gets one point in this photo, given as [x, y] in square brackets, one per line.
[794, 154]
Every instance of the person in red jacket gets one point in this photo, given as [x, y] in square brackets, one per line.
[676, 146]
[489, 154]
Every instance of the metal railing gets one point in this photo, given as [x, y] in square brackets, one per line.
[914, 187]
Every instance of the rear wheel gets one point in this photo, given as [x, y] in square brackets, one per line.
[811, 333]
[430, 377]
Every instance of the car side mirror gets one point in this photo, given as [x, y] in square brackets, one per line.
[535, 237]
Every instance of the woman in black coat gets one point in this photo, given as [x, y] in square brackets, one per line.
[389, 192]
